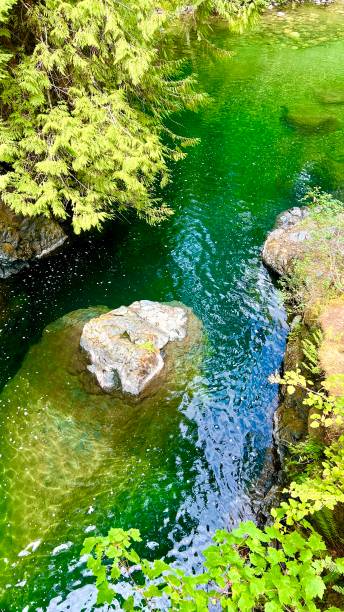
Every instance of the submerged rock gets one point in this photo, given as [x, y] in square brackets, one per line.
[67, 446]
[23, 239]
[292, 34]
[286, 242]
[331, 96]
[125, 345]
[310, 120]
[329, 171]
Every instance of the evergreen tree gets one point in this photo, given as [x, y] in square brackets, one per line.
[85, 88]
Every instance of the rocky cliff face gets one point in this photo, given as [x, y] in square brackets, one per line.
[287, 242]
[24, 239]
[316, 242]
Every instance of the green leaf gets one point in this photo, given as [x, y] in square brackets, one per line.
[128, 604]
[272, 606]
[246, 602]
[293, 543]
[314, 587]
[275, 556]
[105, 594]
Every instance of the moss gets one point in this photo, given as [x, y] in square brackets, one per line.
[292, 415]
[317, 275]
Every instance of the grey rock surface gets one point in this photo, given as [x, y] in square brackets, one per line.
[125, 345]
[24, 239]
[286, 242]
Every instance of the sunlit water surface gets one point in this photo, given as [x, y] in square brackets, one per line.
[180, 467]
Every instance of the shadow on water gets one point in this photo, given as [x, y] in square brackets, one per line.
[178, 466]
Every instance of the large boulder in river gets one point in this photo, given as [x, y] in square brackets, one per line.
[24, 239]
[125, 345]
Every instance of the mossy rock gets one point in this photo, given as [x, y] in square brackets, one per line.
[331, 96]
[291, 418]
[25, 239]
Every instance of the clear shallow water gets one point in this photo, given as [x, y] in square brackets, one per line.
[183, 466]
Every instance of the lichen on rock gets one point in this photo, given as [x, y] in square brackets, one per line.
[125, 345]
[287, 241]
[309, 235]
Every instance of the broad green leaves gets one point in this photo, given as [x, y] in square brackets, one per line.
[244, 570]
[324, 488]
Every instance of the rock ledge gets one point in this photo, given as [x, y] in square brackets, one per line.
[24, 239]
[286, 242]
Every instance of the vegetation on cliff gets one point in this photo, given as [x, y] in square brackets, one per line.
[85, 91]
[247, 569]
[285, 566]
[307, 285]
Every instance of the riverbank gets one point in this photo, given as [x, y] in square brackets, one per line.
[306, 251]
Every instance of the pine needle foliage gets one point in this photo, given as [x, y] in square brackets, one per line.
[85, 88]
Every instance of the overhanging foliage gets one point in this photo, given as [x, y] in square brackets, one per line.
[85, 89]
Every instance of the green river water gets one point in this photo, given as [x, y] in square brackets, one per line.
[183, 462]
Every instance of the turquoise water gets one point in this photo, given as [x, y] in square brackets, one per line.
[182, 466]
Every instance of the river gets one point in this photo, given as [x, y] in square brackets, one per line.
[180, 469]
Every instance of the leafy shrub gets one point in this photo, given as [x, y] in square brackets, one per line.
[310, 348]
[323, 488]
[303, 457]
[281, 567]
[247, 569]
